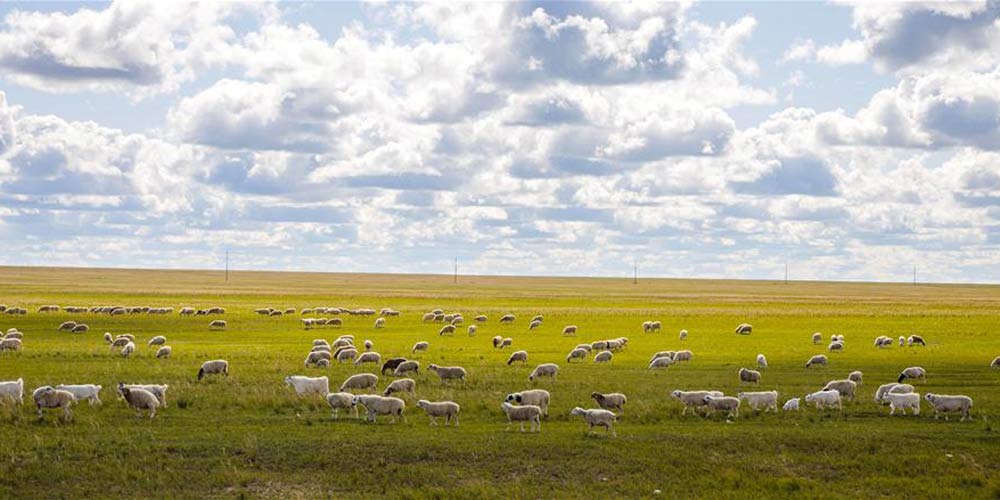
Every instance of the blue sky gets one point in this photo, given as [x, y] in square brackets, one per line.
[704, 140]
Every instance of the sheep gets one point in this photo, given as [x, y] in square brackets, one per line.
[817, 360]
[943, 403]
[569, 330]
[825, 399]
[80, 328]
[914, 372]
[506, 342]
[348, 354]
[119, 341]
[89, 392]
[381, 405]
[996, 363]
[67, 326]
[391, 364]
[522, 414]
[421, 346]
[507, 318]
[164, 352]
[334, 322]
[214, 367]
[817, 338]
[186, 311]
[892, 387]
[599, 345]
[308, 385]
[447, 330]
[534, 324]
[902, 341]
[13, 335]
[342, 342]
[915, 340]
[10, 344]
[406, 367]
[766, 399]
[761, 361]
[749, 376]
[341, 400]
[157, 340]
[902, 402]
[446, 373]
[585, 347]
[683, 356]
[428, 317]
[49, 397]
[496, 341]
[846, 388]
[725, 403]
[472, 330]
[661, 362]
[791, 405]
[366, 381]
[521, 356]
[610, 401]
[159, 391]
[883, 341]
[127, 350]
[368, 357]
[140, 399]
[447, 409]
[603, 357]
[401, 385]
[663, 354]
[320, 342]
[836, 347]
[544, 370]
[457, 320]
[683, 335]
[536, 397]
[13, 390]
[320, 348]
[481, 318]
[744, 328]
[380, 323]
[576, 353]
[314, 357]
[855, 377]
[597, 417]
[217, 324]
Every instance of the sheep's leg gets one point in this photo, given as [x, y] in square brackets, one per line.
[522, 426]
[434, 421]
[40, 412]
[456, 419]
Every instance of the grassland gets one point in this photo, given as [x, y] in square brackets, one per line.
[249, 436]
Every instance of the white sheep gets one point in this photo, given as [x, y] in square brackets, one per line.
[603, 357]
[761, 361]
[725, 403]
[522, 414]
[855, 377]
[89, 392]
[345, 355]
[10, 344]
[308, 385]
[944, 403]
[217, 324]
[536, 397]
[481, 318]
[791, 405]
[996, 363]
[521, 356]
[406, 367]
[684, 355]
[684, 335]
[368, 357]
[139, 399]
[749, 376]
[341, 401]
[817, 338]
[381, 405]
[447, 330]
[157, 390]
[421, 346]
[447, 409]
[744, 328]
[380, 323]
[817, 360]
[446, 373]
[214, 367]
[544, 370]
[576, 353]
[902, 341]
[693, 399]
[313, 358]
[892, 387]
[825, 399]
[836, 346]
[534, 324]
[369, 345]
[597, 417]
[128, 350]
[164, 352]
[661, 362]
[902, 402]
[507, 318]
[360, 381]
[846, 388]
[50, 397]
[401, 385]
[12, 390]
[610, 401]
[766, 399]
[913, 340]
[157, 340]
[914, 372]
[569, 330]
[472, 330]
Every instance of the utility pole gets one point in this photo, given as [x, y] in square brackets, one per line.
[635, 271]
[227, 265]
[786, 272]
[455, 280]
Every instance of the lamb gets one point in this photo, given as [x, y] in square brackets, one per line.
[381, 405]
[13, 390]
[846, 388]
[217, 324]
[597, 417]
[421, 346]
[158, 391]
[817, 338]
[744, 328]
[308, 385]
[725, 403]
[157, 340]
[446, 373]
[662, 362]
[368, 357]
[128, 350]
[766, 399]
[314, 357]
[544, 370]
[472, 330]
[214, 367]
[579, 353]
[569, 330]
[140, 399]
[521, 356]
[10, 344]
[943, 403]
[341, 400]
[684, 335]
[447, 330]
[683, 356]
[522, 414]
[346, 355]
[406, 367]
[447, 409]
[817, 360]
[791, 405]
[610, 401]
[391, 364]
[891, 387]
[603, 357]
[855, 377]
[164, 352]
[836, 346]
[88, 392]
[902, 402]
[693, 399]
[49, 397]
[825, 399]
[749, 376]
[914, 372]
[761, 361]
[536, 397]
[360, 381]
[401, 385]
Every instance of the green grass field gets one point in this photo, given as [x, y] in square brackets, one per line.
[248, 435]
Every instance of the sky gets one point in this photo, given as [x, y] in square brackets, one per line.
[709, 140]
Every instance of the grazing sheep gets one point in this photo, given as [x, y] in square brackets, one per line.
[10, 344]
[157, 340]
[89, 392]
[186, 311]
[603, 357]
[360, 381]
[836, 347]
[522, 414]
[13, 390]
[892, 387]
[744, 328]
[756, 400]
[915, 340]
[846, 388]
[218, 324]
[421, 346]
[791, 405]
[380, 323]
[996, 363]
[683, 356]
[320, 348]
[855, 376]
[610, 401]
[128, 349]
[472, 330]
[49, 397]
[825, 399]
[585, 347]
[536, 397]
[401, 385]
[534, 324]
[447, 409]
[320, 342]
[663, 354]
[569, 330]
[652, 326]
[661, 362]
[334, 322]
[341, 401]
[342, 342]
[381, 405]
[506, 342]
[943, 403]
[597, 417]
[902, 402]
[749, 376]
[725, 403]
[67, 326]
[817, 360]
[684, 335]
[761, 361]
[446, 373]
[447, 330]
[368, 357]
[428, 317]
[391, 364]
[817, 338]
[496, 341]
[13, 335]
[576, 353]
[544, 370]
[164, 352]
[316, 356]
[507, 318]
[882, 341]
[902, 341]
[521, 356]
[914, 372]
[159, 391]
[346, 354]
[481, 318]
[80, 328]
[406, 367]
[308, 385]
[214, 367]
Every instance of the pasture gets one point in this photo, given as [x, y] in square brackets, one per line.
[248, 435]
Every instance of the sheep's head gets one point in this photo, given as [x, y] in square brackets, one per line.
[676, 394]
[596, 396]
[577, 411]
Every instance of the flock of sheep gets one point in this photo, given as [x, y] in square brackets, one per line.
[529, 406]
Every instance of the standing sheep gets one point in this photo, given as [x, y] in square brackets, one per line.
[791, 405]
[945, 404]
[447, 409]
[368, 345]
[308, 385]
[341, 401]
[855, 377]
[12, 390]
[684, 355]
[603, 357]
[89, 392]
[50, 397]
[446, 373]
[915, 340]
[157, 340]
[749, 376]
[902, 402]
[217, 324]
[496, 341]
[534, 324]
[391, 364]
[914, 372]
[214, 367]
[597, 417]
[577, 353]
[817, 338]
[825, 399]
[401, 385]
[507, 319]
[522, 414]
[521, 356]
[536, 397]
[360, 381]
[761, 361]
[846, 388]
[10, 344]
[892, 387]
[569, 330]
[139, 399]
[684, 335]
[381, 405]
[368, 357]
[693, 399]
[421, 346]
[164, 352]
[766, 399]
[472, 330]
[447, 330]
[406, 367]
[817, 360]
[725, 403]
[544, 370]
[380, 323]
[128, 350]
[610, 401]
